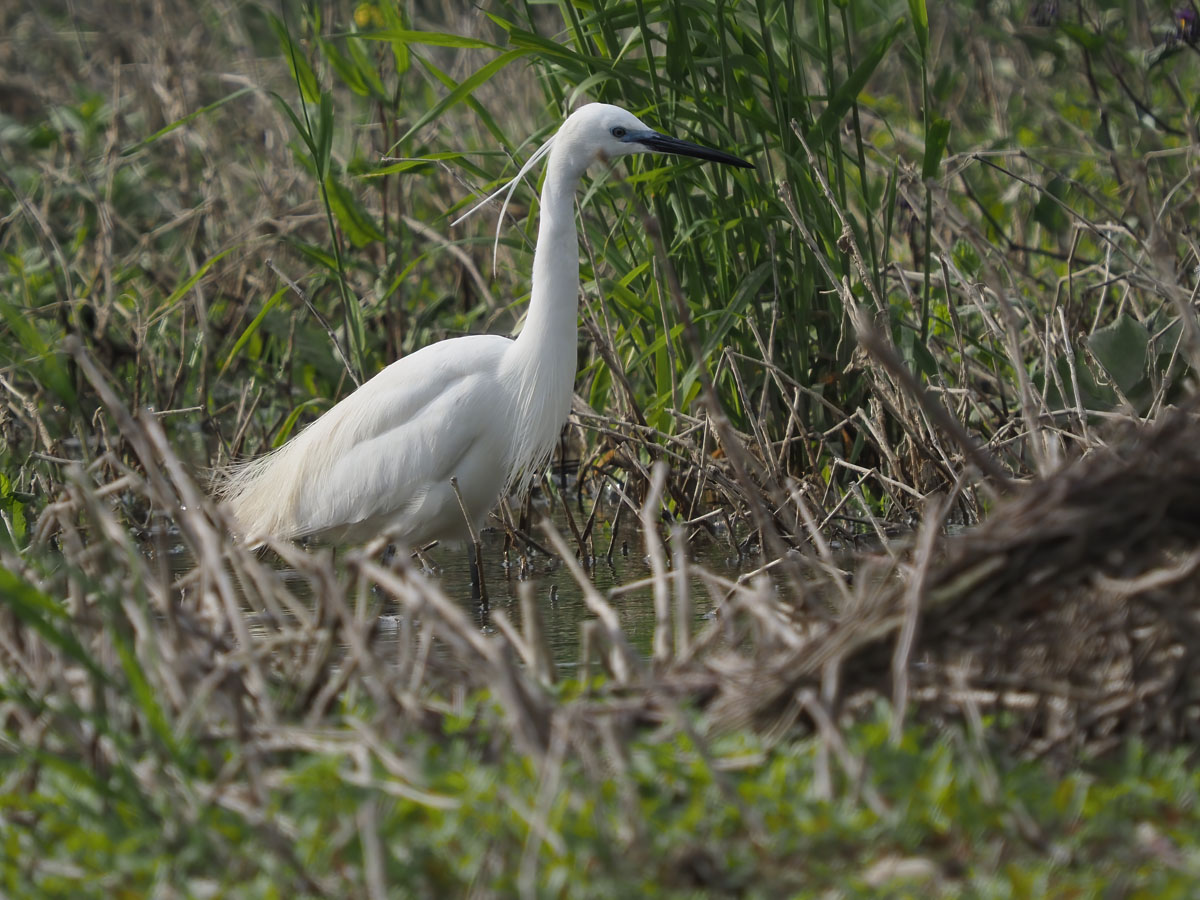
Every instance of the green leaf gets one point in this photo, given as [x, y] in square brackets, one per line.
[302, 72]
[188, 284]
[546, 50]
[1165, 343]
[476, 107]
[252, 328]
[936, 137]
[464, 89]
[366, 68]
[15, 509]
[46, 617]
[395, 17]
[354, 219]
[1122, 348]
[407, 164]
[662, 386]
[428, 38]
[1088, 40]
[847, 94]
[314, 253]
[285, 430]
[48, 368]
[300, 126]
[179, 123]
[601, 387]
[1049, 211]
[142, 691]
[920, 20]
[345, 68]
[924, 361]
[324, 136]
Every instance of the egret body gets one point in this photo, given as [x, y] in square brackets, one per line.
[483, 409]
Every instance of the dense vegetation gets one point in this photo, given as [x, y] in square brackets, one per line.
[967, 253]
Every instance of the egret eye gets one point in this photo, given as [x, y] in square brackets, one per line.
[618, 132]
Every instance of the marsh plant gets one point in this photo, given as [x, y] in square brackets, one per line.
[926, 379]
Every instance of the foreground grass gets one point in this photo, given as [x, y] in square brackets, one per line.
[242, 229]
[931, 816]
[161, 742]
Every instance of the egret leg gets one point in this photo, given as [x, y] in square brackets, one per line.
[476, 568]
[424, 561]
[478, 586]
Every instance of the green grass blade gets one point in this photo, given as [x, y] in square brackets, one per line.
[251, 329]
[347, 69]
[285, 430]
[46, 617]
[179, 123]
[301, 128]
[847, 93]
[302, 73]
[463, 90]
[47, 366]
[935, 145]
[428, 38]
[324, 136]
[920, 22]
[356, 222]
[177, 294]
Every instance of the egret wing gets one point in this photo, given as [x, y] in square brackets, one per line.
[426, 418]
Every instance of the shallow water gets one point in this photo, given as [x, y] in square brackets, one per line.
[556, 593]
[559, 597]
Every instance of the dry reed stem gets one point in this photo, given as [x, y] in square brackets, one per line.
[1063, 550]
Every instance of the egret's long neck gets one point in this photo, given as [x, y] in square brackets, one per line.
[541, 362]
[552, 320]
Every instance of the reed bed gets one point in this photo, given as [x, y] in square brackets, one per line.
[192, 700]
[929, 378]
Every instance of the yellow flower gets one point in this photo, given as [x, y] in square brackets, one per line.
[367, 15]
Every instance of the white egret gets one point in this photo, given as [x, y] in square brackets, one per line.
[482, 409]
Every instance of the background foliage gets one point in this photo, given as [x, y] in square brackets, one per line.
[229, 213]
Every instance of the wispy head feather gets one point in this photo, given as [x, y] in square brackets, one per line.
[510, 186]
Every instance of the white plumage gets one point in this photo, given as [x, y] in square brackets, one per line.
[483, 409]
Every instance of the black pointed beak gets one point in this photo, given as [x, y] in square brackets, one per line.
[661, 143]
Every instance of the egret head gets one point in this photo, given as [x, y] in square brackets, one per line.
[600, 131]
